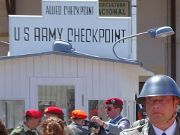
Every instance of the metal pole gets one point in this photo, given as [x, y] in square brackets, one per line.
[135, 35]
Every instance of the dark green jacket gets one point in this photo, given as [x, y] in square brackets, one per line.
[143, 127]
[23, 130]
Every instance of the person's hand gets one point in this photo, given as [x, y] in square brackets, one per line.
[95, 130]
[97, 120]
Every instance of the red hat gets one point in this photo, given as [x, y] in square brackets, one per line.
[33, 113]
[54, 110]
[114, 101]
[79, 114]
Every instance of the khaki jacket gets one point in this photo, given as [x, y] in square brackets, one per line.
[78, 130]
[143, 127]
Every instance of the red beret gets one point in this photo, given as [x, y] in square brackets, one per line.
[79, 114]
[54, 110]
[33, 113]
[114, 101]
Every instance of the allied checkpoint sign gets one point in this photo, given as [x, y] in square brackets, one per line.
[75, 21]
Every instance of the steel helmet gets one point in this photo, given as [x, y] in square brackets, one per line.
[159, 85]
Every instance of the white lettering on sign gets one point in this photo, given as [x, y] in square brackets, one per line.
[72, 21]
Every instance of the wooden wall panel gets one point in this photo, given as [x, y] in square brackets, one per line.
[30, 66]
[102, 79]
[43, 65]
[16, 74]
[24, 87]
[95, 78]
[81, 67]
[37, 65]
[88, 78]
[2, 79]
[110, 78]
[69, 66]
[8, 78]
[59, 66]
[52, 65]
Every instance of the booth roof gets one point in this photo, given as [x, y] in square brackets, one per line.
[75, 54]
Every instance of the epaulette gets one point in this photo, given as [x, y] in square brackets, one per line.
[18, 129]
[142, 121]
[137, 128]
[132, 128]
[139, 122]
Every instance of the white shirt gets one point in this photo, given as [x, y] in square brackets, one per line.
[169, 131]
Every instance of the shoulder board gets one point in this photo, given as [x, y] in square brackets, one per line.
[139, 122]
[132, 129]
[18, 129]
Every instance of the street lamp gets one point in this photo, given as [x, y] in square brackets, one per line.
[154, 33]
[4, 42]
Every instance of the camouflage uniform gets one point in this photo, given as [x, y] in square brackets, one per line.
[24, 130]
[143, 127]
[78, 130]
[68, 131]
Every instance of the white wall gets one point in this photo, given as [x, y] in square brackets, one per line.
[98, 79]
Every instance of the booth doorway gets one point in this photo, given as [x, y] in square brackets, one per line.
[62, 96]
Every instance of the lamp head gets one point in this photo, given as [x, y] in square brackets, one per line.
[161, 32]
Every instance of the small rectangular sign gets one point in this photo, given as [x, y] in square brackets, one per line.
[114, 8]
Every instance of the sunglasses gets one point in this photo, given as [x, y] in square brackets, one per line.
[108, 108]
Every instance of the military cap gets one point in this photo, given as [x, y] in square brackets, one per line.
[54, 110]
[114, 101]
[33, 113]
[78, 114]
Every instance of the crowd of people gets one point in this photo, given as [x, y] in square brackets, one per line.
[160, 97]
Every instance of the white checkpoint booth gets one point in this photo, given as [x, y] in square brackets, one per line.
[68, 80]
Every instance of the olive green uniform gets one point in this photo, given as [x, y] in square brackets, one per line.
[143, 127]
[24, 130]
[78, 130]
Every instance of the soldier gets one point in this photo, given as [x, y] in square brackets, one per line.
[78, 120]
[117, 122]
[29, 126]
[54, 111]
[160, 95]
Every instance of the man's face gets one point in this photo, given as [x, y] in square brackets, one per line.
[161, 109]
[80, 122]
[111, 111]
[34, 122]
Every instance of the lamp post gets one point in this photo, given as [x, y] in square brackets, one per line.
[4, 42]
[154, 33]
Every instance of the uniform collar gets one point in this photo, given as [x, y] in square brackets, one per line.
[26, 128]
[169, 131]
[116, 119]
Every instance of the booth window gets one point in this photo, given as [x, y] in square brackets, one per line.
[96, 108]
[12, 112]
[62, 96]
